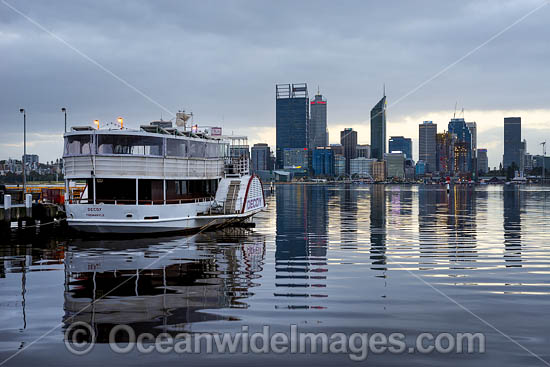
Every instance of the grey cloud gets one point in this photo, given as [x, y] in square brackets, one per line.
[222, 58]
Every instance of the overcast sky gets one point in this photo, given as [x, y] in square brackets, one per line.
[222, 59]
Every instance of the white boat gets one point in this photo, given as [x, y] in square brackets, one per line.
[156, 179]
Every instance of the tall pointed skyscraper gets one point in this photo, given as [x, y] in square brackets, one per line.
[378, 129]
[318, 122]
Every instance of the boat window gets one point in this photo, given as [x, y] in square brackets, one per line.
[78, 145]
[213, 150]
[176, 147]
[129, 144]
[197, 149]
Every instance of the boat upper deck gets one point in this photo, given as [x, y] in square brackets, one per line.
[152, 152]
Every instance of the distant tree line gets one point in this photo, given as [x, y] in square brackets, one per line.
[14, 179]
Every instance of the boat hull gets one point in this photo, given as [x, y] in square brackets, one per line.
[156, 226]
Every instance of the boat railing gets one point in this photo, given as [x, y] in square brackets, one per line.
[204, 199]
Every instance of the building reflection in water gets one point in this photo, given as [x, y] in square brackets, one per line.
[512, 198]
[348, 216]
[461, 226]
[378, 227]
[301, 245]
[447, 226]
[162, 287]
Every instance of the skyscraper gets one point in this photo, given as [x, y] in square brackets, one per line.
[427, 145]
[348, 139]
[463, 145]
[473, 132]
[482, 161]
[260, 157]
[401, 144]
[318, 135]
[512, 142]
[445, 153]
[378, 129]
[292, 118]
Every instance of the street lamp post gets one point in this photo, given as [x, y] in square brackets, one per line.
[22, 110]
[64, 110]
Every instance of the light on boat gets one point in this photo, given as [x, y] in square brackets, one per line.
[121, 122]
[96, 122]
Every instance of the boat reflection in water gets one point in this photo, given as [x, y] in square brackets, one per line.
[159, 287]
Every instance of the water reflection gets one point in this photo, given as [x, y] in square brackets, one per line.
[378, 227]
[158, 287]
[324, 257]
[512, 202]
[301, 245]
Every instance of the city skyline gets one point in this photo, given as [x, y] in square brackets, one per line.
[488, 83]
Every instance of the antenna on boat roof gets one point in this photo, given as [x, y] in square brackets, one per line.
[182, 117]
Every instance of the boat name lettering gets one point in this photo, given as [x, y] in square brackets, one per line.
[253, 203]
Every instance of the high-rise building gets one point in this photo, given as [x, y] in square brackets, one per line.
[427, 145]
[295, 158]
[378, 129]
[482, 161]
[260, 157]
[348, 139]
[292, 118]
[473, 133]
[522, 154]
[512, 142]
[363, 151]
[395, 165]
[318, 133]
[401, 144]
[463, 145]
[323, 161]
[379, 171]
[445, 147]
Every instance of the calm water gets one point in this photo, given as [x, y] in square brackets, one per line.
[356, 258]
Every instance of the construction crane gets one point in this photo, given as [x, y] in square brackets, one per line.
[543, 148]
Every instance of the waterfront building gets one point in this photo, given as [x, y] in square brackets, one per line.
[339, 165]
[348, 139]
[401, 144]
[292, 119]
[395, 165]
[512, 142]
[361, 167]
[420, 168]
[410, 169]
[363, 150]
[523, 152]
[379, 171]
[427, 145]
[463, 146]
[482, 161]
[528, 162]
[260, 157]
[318, 133]
[295, 158]
[445, 147]
[378, 129]
[323, 162]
